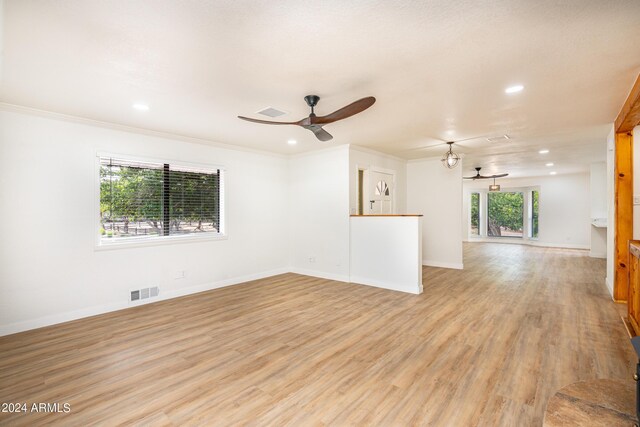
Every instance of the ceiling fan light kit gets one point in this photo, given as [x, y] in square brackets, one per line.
[450, 159]
[315, 123]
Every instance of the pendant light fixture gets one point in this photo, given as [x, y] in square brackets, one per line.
[494, 187]
[450, 159]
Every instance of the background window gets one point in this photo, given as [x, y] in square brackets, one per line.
[534, 213]
[475, 214]
[505, 214]
[140, 200]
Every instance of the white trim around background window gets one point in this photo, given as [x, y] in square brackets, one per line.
[103, 244]
[526, 220]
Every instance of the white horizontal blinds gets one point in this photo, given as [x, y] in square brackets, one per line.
[144, 199]
[194, 200]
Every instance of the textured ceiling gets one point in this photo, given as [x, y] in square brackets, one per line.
[438, 70]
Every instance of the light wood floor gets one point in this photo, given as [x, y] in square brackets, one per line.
[485, 346]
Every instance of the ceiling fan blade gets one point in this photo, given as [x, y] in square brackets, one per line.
[498, 176]
[320, 133]
[267, 122]
[348, 111]
[470, 177]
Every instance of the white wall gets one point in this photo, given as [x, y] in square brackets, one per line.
[363, 158]
[386, 252]
[565, 207]
[598, 191]
[598, 187]
[436, 192]
[319, 213]
[49, 270]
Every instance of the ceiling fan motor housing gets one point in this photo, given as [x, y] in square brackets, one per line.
[312, 100]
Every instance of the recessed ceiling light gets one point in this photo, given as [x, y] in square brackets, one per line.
[514, 89]
[292, 142]
[549, 164]
[553, 173]
[140, 107]
[545, 151]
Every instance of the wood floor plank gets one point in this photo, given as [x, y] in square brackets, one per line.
[483, 346]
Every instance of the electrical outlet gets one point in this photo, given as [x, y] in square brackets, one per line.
[636, 200]
[312, 259]
[180, 274]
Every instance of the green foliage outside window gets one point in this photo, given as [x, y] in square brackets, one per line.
[505, 214]
[475, 213]
[534, 213]
[131, 194]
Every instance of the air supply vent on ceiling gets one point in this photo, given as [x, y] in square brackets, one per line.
[271, 112]
[504, 137]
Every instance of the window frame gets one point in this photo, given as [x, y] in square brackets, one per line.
[484, 202]
[100, 244]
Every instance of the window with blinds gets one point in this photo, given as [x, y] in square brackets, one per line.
[142, 200]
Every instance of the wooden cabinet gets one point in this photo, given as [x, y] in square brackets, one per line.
[633, 301]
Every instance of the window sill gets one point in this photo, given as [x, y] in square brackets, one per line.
[156, 241]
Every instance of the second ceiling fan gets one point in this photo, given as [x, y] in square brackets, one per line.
[315, 123]
[478, 176]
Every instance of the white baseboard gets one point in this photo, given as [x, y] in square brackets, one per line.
[597, 254]
[511, 241]
[609, 285]
[320, 274]
[561, 245]
[13, 328]
[454, 265]
[411, 288]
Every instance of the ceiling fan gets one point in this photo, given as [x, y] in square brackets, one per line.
[478, 176]
[315, 123]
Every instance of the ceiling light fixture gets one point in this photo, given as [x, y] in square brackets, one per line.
[292, 142]
[553, 173]
[450, 159]
[549, 164]
[545, 151]
[494, 187]
[514, 89]
[140, 107]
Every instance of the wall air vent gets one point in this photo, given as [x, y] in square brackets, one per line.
[144, 293]
[504, 137]
[271, 112]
